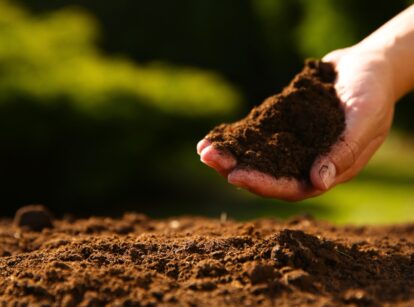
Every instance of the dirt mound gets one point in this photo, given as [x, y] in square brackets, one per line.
[136, 261]
[284, 135]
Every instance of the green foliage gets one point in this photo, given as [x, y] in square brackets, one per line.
[325, 27]
[54, 55]
[79, 127]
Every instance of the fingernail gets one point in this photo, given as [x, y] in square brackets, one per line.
[327, 174]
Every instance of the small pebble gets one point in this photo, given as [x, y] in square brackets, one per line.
[259, 273]
[33, 217]
[356, 296]
[298, 278]
[174, 224]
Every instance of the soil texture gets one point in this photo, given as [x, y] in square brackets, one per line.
[284, 135]
[191, 261]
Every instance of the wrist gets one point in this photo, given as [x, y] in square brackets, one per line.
[394, 43]
[379, 60]
[401, 61]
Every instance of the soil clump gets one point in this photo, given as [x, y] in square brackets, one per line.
[283, 136]
[34, 217]
[194, 261]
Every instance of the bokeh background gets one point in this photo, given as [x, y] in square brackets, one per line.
[103, 102]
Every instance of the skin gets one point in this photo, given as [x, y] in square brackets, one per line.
[371, 76]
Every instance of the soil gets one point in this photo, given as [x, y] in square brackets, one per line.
[193, 261]
[283, 136]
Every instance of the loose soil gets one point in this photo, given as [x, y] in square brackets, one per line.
[193, 261]
[284, 135]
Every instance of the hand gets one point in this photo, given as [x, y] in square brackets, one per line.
[364, 85]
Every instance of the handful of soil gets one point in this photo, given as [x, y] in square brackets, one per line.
[283, 136]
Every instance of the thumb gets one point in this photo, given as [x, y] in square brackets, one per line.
[328, 168]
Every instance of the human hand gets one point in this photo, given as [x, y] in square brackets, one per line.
[365, 88]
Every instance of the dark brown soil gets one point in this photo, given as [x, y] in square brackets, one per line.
[135, 261]
[284, 135]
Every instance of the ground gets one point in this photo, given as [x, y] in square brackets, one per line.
[193, 261]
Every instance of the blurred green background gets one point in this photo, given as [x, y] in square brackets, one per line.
[103, 102]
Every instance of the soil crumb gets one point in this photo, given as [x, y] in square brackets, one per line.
[194, 261]
[283, 136]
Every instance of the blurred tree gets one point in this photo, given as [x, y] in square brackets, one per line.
[54, 55]
[324, 28]
[328, 25]
[78, 127]
[221, 35]
[257, 44]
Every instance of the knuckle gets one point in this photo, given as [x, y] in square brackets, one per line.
[345, 154]
[353, 150]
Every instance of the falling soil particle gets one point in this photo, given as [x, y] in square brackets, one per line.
[136, 261]
[283, 136]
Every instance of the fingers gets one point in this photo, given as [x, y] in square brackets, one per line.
[268, 186]
[348, 156]
[326, 169]
[202, 144]
[221, 161]
[254, 181]
[363, 159]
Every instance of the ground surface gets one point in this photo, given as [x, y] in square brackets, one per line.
[135, 261]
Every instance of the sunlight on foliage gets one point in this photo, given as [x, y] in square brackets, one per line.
[272, 17]
[54, 56]
[269, 10]
[324, 28]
